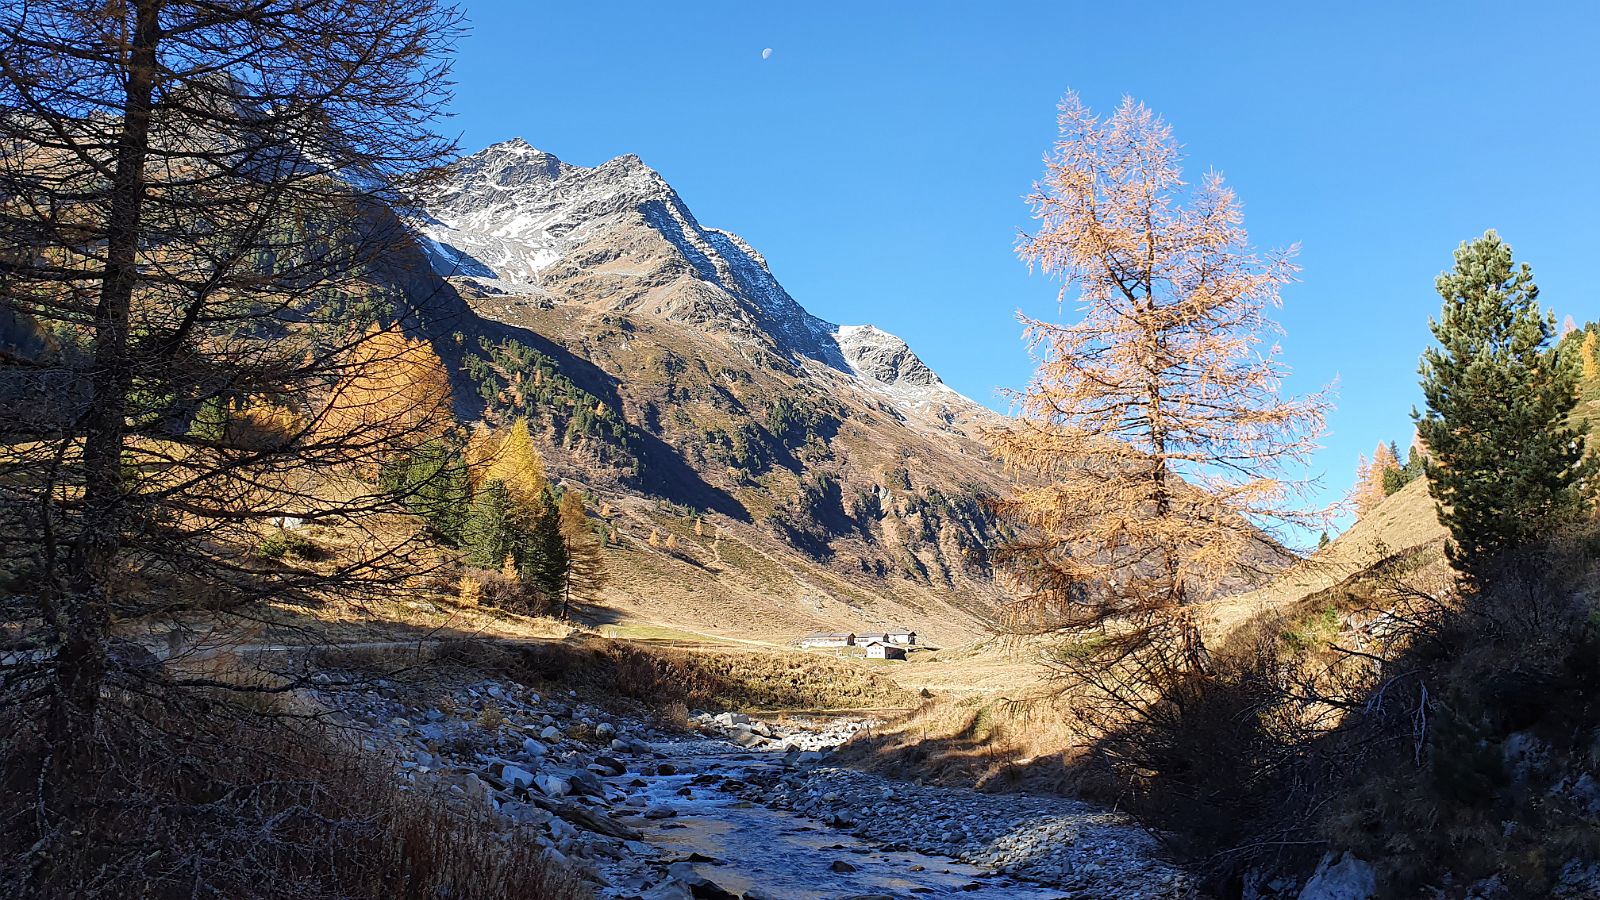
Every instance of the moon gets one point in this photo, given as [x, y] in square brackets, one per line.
[767, 53]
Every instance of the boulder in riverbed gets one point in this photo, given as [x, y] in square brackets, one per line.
[1341, 878]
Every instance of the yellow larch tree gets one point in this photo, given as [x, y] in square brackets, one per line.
[585, 570]
[1590, 354]
[1369, 491]
[516, 461]
[392, 386]
[479, 453]
[1155, 425]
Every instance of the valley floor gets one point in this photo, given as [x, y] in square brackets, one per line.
[727, 806]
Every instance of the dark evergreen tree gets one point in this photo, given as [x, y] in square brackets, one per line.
[433, 481]
[487, 534]
[1415, 464]
[439, 490]
[543, 560]
[1504, 464]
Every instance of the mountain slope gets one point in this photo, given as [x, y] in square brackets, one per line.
[812, 475]
[1405, 523]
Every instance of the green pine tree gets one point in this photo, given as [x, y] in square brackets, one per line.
[439, 490]
[543, 557]
[432, 480]
[1504, 466]
[1415, 464]
[487, 535]
[1396, 476]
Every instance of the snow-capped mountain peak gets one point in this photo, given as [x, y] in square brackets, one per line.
[520, 221]
[883, 357]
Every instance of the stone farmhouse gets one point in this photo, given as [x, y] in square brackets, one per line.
[880, 650]
[899, 637]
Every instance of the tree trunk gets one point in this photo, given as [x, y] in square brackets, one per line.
[81, 652]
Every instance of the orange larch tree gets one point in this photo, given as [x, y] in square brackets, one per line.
[1369, 489]
[1156, 424]
[391, 384]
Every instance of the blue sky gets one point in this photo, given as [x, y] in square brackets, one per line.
[880, 156]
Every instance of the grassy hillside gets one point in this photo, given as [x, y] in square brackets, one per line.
[1406, 522]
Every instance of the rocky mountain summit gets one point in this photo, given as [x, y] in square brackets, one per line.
[513, 219]
[666, 369]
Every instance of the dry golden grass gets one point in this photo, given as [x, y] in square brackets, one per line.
[1404, 522]
[662, 678]
[984, 742]
[205, 793]
[976, 732]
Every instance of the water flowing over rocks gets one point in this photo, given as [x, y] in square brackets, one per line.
[739, 807]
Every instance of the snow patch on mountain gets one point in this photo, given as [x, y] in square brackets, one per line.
[509, 214]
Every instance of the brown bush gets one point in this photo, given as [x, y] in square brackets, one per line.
[208, 796]
[486, 587]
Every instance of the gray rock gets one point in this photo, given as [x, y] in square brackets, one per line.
[551, 733]
[478, 789]
[700, 887]
[1343, 878]
[516, 776]
[660, 812]
[554, 785]
[1578, 879]
[584, 782]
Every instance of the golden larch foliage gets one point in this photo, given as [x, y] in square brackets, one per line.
[516, 461]
[585, 551]
[479, 452]
[260, 423]
[1368, 491]
[1156, 421]
[1590, 354]
[393, 387]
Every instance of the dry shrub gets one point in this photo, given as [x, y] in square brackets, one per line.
[1445, 739]
[487, 587]
[208, 795]
[665, 678]
[1471, 749]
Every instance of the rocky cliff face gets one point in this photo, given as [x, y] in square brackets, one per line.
[841, 482]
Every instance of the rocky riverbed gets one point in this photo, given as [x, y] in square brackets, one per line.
[736, 807]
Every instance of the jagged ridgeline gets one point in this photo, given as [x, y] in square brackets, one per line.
[814, 474]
